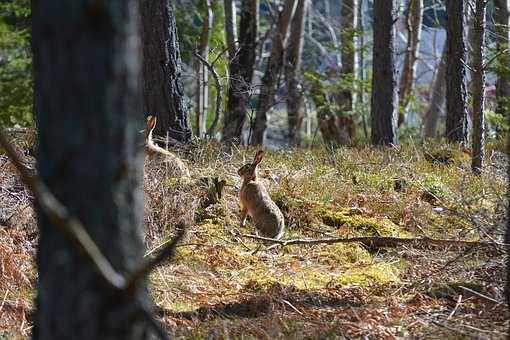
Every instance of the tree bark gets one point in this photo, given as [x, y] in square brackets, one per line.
[295, 100]
[384, 78]
[274, 66]
[414, 20]
[502, 21]
[478, 86]
[162, 86]
[202, 94]
[86, 68]
[437, 100]
[456, 113]
[241, 68]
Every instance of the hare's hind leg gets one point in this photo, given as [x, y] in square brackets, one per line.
[244, 214]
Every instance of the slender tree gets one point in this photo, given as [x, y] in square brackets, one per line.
[295, 101]
[242, 64]
[161, 73]
[384, 76]
[437, 99]
[478, 85]
[86, 67]
[502, 21]
[456, 113]
[202, 90]
[414, 20]
[349, 11]
[273, 69]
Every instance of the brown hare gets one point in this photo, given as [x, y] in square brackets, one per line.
[153, 149]
[255, 201]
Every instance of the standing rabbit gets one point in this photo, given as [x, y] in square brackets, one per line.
[255, 201]
[154, 149]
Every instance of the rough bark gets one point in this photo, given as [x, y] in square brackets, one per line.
[384, 76]
[202, 94]
[437, 99]
[502, 21]
[456, 113]
[295, 100]
[478, 86]
[241, 68]
[414, 20]
[162, 87]
[86, 67]
[273, 69]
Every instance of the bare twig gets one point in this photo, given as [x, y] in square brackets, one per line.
[391, 242]
[166, 253]
[219, 90]
[480, 295]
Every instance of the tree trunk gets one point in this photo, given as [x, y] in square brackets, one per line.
[274, 66]
[502, 20]
[349, 57]
[295, 100]
[202, 95]
[384, 82]
[162, 87]
[437, 100]
[413, 23]
[456, 114]
[478, 86]
[242, 65]
[346, 96]
[86, 67]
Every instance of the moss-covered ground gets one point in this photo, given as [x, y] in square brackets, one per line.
[224, 285]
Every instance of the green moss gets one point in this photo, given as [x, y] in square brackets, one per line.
[358, 225]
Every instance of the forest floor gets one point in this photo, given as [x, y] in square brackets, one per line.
[222, 284]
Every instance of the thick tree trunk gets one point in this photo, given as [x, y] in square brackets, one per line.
[456, 114]
[162, 88]
[274, 66]
[295, 100]
[242, 65]
[384, 78]
[414, 20]
[437, 99]
[202, 94]
[502, 20]
[86, 63]
[478, 86]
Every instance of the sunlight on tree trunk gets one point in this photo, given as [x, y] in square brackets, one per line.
[502, 30]
[162, 88]
[413, 23]
[273, 69]
[478, 86]
[295, 100]
[437, 99]
[202, 94]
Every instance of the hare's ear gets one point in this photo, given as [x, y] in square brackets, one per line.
[258, 157]
[151, 122]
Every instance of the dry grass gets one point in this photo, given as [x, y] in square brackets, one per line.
[221, 285]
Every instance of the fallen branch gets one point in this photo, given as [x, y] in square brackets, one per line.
[219, 89]
[388, 242]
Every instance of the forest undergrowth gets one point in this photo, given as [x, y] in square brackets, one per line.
[222, 284]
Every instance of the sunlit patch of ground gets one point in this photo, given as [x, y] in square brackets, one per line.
[224, 285]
